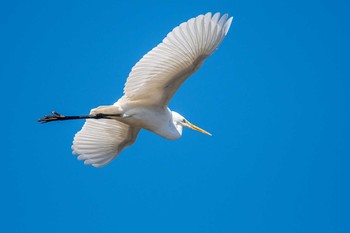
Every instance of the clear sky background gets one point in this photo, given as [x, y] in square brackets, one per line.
[275, 96]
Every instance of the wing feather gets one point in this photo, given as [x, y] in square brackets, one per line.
[157, 76]
[100, 141]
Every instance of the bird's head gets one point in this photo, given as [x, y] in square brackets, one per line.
[181, 121]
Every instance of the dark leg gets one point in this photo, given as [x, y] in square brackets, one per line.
[59, 117]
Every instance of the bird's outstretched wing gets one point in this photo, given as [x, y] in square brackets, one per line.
[100, 141]
[157, 76]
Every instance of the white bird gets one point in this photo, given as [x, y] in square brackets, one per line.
[151, 84]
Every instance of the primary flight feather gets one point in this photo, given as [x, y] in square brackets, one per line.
[151, 84]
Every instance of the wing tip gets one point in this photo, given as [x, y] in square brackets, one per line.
[223, 20]
[228, 25]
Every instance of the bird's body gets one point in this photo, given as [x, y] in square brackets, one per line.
[151, 84]
[156, 119]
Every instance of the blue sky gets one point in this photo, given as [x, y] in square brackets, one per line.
[275, 96]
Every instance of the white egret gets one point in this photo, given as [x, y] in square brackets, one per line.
[151, 84]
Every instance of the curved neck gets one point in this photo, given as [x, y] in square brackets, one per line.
[178, 127]
[166, 125]
[172, 131]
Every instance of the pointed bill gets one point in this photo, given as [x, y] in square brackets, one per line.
[192, 126]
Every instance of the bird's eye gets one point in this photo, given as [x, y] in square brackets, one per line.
[184, 120]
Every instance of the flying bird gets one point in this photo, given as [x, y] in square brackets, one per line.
[151, 84]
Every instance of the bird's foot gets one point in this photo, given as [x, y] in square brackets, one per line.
[54, 117]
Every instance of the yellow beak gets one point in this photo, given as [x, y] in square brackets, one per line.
[192, 126]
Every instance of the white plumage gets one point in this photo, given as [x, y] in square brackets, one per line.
[100, 141]
[157, 76]
[151, 84]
